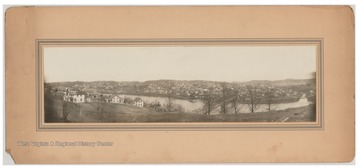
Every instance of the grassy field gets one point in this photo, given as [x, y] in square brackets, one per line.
[300, 114]
[127, 113]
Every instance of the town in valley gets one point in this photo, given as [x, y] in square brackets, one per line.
[181, 101]
[177, 83]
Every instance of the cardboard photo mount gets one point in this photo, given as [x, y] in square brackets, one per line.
[331, 140]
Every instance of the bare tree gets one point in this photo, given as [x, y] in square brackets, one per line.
[100, 109]
[128, 100]
[156, 106]
[209, 102]
[311, 95]
[68, 107]
[252, 99]
[224, 97]
[49, 104]
[269, 98]
[235, 100]
[169, 100]
[312, 98]
[169, 104]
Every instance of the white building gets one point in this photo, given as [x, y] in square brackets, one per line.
[78, 98]
[139, 102]
[116, 99]
[74, 98]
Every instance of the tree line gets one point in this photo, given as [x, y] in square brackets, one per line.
[50, 110]
[232, 95]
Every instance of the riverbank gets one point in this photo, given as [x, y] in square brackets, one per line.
[275, 100]
[300, 114]
[123, 113]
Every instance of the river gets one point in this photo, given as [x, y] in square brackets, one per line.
[243, 108]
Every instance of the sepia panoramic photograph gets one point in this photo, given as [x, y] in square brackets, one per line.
[127, 84]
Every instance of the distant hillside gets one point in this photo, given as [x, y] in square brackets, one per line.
[166, 82]
[280, 82]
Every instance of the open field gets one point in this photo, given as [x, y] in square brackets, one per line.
[127, 113]
[300, 114]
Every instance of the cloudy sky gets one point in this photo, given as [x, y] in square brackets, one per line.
[235, 63]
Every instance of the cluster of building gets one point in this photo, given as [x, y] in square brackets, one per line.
[108, 98]
[184, 89]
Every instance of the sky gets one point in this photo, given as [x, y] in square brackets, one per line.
[220, 63]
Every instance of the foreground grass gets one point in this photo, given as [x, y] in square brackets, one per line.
[301, 114]
[89, 113]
